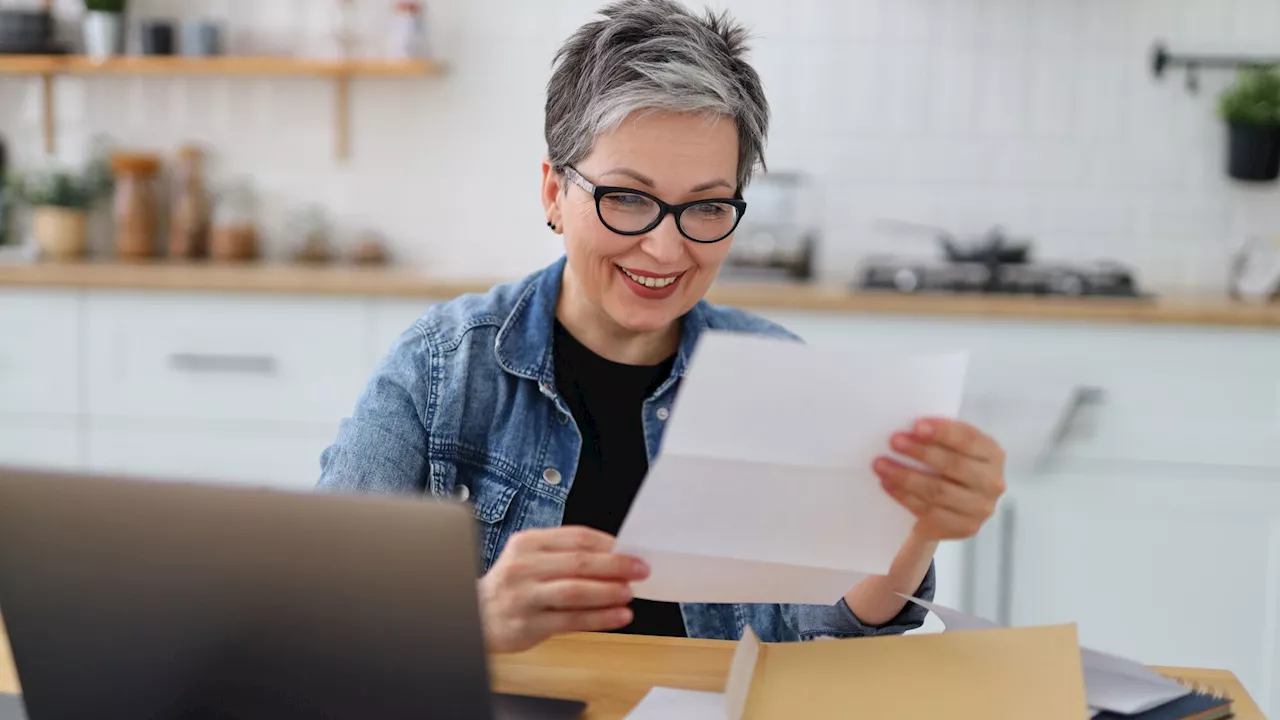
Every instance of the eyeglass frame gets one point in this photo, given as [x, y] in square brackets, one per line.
[665, 208]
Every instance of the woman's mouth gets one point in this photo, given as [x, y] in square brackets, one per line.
[653, 287]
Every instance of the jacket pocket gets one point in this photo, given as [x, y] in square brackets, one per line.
[490, 496]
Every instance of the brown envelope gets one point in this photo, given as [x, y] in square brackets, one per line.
[1009, 673]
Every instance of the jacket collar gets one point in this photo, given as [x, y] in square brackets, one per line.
[524, 343]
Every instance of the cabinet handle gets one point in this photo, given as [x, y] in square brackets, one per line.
[1081, 397]
[1008, 535]
[211, 363]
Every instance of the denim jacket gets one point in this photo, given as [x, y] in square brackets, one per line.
[464, 407]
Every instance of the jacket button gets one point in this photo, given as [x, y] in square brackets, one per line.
[462, 493]
[552, 476]
[663, 414]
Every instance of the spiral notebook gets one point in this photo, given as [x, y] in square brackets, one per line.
[1204, 703]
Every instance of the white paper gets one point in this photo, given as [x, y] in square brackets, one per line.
[1111, 683]
[764, 491]
[669, 704]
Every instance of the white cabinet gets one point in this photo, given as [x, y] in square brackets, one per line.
[198, 357]
[390, 320]
[285, 457]
[1163, 567]
[41, 442]
[39, 352]
[40, 381]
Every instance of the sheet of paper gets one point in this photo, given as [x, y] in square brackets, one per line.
[670, 704]
[763, 490]
[1111, 683]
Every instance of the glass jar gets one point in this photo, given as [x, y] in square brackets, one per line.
[134, 206]
[189, 229]
[235, 231]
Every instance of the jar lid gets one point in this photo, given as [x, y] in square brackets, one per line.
[135, 163]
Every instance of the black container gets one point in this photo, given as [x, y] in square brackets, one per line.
[25, 31]
[1253, 152]
[159, 37]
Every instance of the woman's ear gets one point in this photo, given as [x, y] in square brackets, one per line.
[552, 192]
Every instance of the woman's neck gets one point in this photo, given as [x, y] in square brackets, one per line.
[600, 334]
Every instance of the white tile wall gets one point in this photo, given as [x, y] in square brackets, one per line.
[1037, 114]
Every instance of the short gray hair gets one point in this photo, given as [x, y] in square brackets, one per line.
[653, 55]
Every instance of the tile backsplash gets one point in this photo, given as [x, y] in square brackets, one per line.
[1039, 115]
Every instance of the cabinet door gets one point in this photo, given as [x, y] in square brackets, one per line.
[221, 358]
[281, 456]
[39, 442]
[39, 352]
[1168, 568]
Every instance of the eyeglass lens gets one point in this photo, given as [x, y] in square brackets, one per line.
[628, 213]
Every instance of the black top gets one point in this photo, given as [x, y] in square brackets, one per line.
[607, 402]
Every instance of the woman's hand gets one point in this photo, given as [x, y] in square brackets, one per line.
[553, 581]
[956, 497]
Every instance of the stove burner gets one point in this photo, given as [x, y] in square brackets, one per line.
[910, 277]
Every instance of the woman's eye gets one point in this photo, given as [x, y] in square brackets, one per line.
[710, 210]
[627, 202]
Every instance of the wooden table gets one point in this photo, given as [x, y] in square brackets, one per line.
[613, 672]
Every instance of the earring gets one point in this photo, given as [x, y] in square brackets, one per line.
[551, 225]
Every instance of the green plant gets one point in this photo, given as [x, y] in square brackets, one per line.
[1254, 99]
[110, 6]
[76, 190]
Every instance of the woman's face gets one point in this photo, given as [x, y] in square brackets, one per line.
[643, 283]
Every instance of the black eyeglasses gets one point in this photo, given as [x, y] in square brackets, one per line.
[634, 212]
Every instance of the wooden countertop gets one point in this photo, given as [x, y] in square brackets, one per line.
[1175, 309]
[613, 672]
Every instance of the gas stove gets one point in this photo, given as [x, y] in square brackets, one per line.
[923, 276]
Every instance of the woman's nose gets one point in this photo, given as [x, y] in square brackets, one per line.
[664, 243]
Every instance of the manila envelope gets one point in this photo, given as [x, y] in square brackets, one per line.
[1008, 673]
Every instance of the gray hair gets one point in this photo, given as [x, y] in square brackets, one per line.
[653, 55]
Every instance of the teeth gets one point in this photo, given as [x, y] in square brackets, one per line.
[651, 282]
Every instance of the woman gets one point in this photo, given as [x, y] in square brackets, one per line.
[542, 402]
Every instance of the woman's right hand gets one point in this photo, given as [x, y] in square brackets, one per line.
[553, 581]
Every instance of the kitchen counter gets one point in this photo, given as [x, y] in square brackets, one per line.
[1176, 309]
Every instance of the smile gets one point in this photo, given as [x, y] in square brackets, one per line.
[656, 283]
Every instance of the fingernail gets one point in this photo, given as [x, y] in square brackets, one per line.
[640, 568]
[883, 466]
[925, 429]
[900, 443]
[628, 594]
[623, 615]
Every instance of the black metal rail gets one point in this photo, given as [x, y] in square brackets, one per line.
[1163, 60]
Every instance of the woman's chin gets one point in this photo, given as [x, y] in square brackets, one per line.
[651, 317]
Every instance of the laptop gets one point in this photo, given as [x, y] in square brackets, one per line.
[147, 599]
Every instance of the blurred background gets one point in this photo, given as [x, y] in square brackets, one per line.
[1042, 116]
[222, 212]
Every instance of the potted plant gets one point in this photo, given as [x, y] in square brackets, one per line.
[1251, 108]
[61, 200]
[104, 28]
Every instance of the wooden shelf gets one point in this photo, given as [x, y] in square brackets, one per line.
[249, 66]
[339, 72]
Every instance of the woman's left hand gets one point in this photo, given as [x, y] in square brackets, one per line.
[967, 477]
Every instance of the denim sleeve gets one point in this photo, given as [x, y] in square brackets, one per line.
[838, 621]
[382, 447]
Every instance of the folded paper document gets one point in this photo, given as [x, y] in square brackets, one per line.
[763, 491]
[1002, 674]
